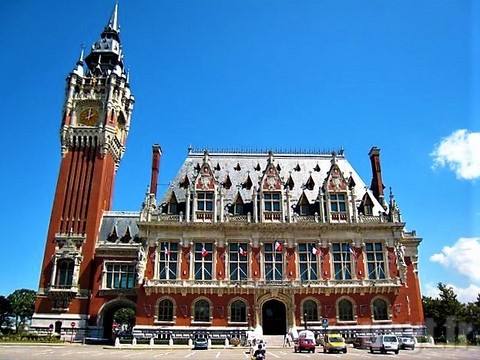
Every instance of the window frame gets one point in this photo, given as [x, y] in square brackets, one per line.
[308, 263]
[203, 266]
[272, 263]
[342, 261]
[375, 261]
[130, 275]
[238, 265]
[169, 261]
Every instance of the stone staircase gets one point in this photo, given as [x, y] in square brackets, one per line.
[273, 340]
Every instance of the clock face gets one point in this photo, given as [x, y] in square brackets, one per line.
[89, 116]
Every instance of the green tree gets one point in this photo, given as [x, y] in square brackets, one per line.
[447, 313]
[125, 318]
[5, 311]
[23, 303]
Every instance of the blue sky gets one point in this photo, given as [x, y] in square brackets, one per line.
[401, 75]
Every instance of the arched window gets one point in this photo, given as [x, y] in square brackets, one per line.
[345, 310]
[202, 311]
[380, 311]
[65, 273]
[310, 311]
[165, 310]
[238, 311]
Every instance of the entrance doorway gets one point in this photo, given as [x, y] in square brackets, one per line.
[116, 316]
[274, 318]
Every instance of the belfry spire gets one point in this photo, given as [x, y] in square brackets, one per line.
[113, 22]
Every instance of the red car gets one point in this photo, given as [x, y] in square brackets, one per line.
[362, 342]
[304, 344]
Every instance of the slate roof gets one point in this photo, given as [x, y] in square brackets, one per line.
[119, 226]
[304, 173]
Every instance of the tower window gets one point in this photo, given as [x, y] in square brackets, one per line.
[65, 273]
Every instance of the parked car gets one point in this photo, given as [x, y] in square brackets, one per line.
[406, 342]
[201, 343]
[384, 343]
[334, 343]
[362, 342]
[304, 344]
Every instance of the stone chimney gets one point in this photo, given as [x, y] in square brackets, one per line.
[377, 183]
[156, 154]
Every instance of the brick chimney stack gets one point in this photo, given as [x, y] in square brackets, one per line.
[377, 183]
[156, 154]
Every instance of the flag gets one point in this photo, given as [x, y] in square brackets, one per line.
[354, 254]
[242, 251]
[278, 246]
[314, 250]
[152, 255]
[166, 251]
[204, 252]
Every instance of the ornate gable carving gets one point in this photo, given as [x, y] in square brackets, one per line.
[335, 180]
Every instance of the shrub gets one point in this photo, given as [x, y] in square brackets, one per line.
[234, 341]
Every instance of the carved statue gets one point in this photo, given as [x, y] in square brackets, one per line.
[402, 266]
[141, 264]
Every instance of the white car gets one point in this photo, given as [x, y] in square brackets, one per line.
[384, 343]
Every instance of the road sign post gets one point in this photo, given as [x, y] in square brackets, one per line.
[73, 328]
[325, 323]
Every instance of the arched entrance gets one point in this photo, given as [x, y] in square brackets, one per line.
[274, 318]
[107, 311]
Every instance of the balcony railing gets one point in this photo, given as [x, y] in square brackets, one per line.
[270, 216]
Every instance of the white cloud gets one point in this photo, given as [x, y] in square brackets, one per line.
[464, 295]
[463, 257]
[460, 152]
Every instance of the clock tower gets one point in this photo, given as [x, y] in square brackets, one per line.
[93, 132]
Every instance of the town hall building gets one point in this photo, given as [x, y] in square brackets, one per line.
[261, 241]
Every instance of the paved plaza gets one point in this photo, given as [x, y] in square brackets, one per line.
[77, 352]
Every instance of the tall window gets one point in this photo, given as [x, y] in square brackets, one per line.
[342, 261]
[202, 311]
[375, 262]
[65, 273]
[205, 201]
[272, 201]
[273, 262]
[120, 276]
[338, 203]
[345, 310]
[238, 311]
[203, 261]
[308, 261]
[380, 311]
[238, 261]
[168, 259]
[165, 310]
[310, 310]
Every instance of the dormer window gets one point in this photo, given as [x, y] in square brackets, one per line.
[338, 203]
[272, 202]
[205, 201]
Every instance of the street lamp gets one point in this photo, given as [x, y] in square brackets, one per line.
[305, 319]
[248, 321]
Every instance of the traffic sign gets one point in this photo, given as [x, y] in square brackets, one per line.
[325, 322]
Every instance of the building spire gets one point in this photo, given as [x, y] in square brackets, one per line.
[107, 51]
[113, 22]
